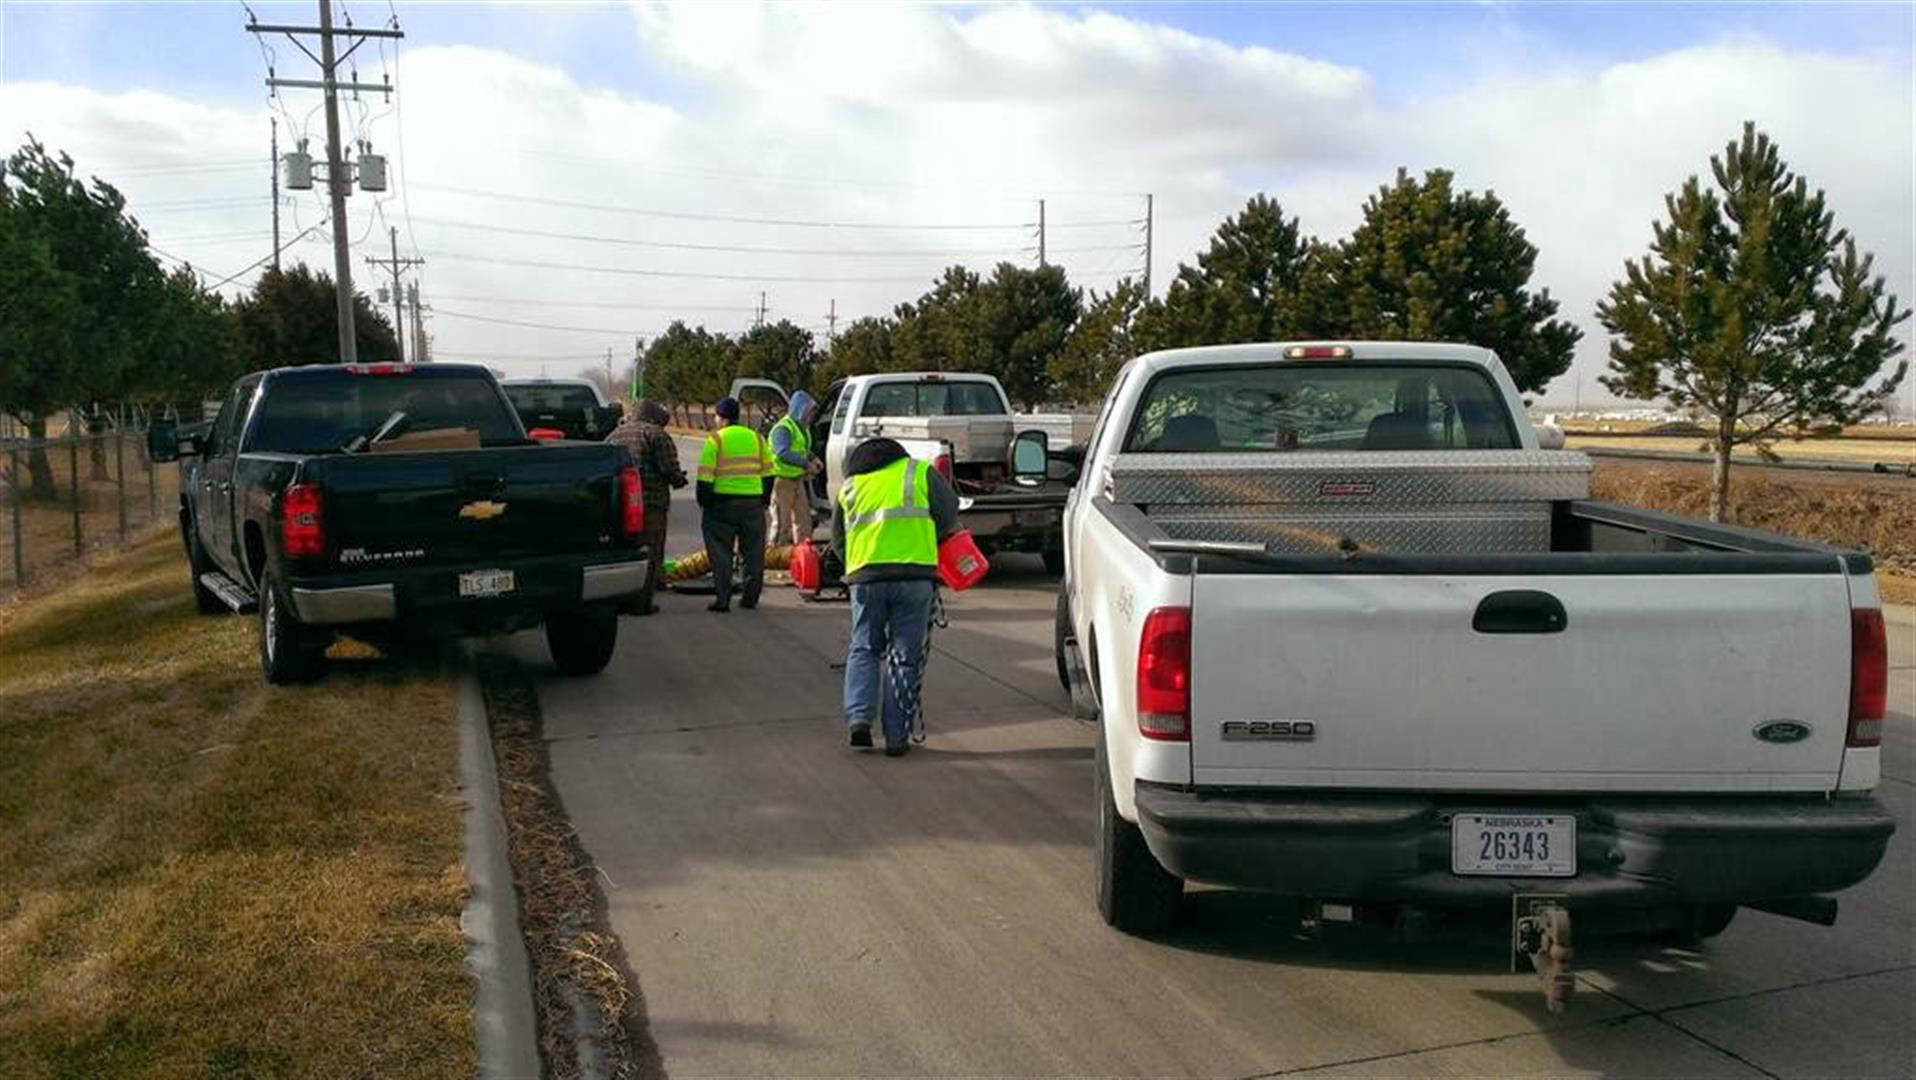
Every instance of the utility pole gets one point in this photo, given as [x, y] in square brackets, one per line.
[338, 182]
[758, 319]
[399, 297]
[274, 165]
[1040, 233]
[1148, 215]
[419, 354]
[831, 324]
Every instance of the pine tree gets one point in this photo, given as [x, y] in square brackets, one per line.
[1752, 307]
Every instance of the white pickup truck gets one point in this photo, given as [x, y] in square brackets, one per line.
[960, 422]
[1354, 638]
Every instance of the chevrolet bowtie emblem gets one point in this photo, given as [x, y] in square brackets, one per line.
[482, 510]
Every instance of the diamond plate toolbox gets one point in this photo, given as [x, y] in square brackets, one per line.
[1373, 478]
[1390, 501]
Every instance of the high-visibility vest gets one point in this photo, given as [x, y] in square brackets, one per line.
[888, 516]
[735, 461]
[801, 443]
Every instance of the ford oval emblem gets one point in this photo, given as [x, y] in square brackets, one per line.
[1782, 731]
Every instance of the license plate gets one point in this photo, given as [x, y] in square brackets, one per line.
[486, 583]
[1514, 845]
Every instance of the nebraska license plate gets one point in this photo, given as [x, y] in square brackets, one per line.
[1514, 845]
[486, 583]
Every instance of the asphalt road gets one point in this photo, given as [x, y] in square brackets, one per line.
[793, 908]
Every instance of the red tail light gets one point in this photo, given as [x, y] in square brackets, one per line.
[1164, 675]
[943, 464]
[302, 522]
[631, 504]
[545, 434]
[1868, 677]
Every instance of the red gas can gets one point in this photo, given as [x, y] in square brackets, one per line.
[960, 564]
[805, 568]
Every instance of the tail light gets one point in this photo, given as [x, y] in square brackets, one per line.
[302, 522]
[943, 464]
[1164, 675]
[631, 504]
[1868, 677]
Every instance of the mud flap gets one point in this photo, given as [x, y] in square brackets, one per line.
[1084, 699]
[1540, 934]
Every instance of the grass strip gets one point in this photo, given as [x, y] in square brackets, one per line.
[202, 875]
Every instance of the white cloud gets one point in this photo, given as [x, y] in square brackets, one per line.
[883, 113]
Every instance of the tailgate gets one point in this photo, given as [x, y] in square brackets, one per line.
[451, 506]
[1652, 683]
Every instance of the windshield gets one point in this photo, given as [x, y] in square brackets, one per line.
[1321, 407]
[934, 399]
[321, 412]
[550, 398]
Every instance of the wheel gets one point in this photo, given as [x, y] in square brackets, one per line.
[1135, 894]
[289, 650]
[581, 640]
[205, 600]
[1053, 561]
[1059, 638]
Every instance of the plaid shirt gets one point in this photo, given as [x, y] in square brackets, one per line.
[657, 457]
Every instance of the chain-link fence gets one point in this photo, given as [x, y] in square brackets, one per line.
[65, 497]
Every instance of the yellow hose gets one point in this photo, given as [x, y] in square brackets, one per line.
[698, 563]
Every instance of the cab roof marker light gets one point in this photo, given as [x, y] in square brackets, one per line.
[381, 368]
[1318, 352]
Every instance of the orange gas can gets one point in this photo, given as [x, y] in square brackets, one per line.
[805, 567]
[960, 564]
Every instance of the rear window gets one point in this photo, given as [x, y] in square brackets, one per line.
[540, 399]
[933, 399]
[322, 412]
[1314, 406]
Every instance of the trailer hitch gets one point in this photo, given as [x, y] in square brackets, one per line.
[1540, 933]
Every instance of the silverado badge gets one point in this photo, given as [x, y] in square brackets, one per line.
[482, 510]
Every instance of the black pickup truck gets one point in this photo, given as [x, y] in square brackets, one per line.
[385, 501]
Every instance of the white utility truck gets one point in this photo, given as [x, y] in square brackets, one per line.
[963, 425]
[1354, 638]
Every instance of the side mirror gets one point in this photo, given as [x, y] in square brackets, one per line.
[1549, 437]
[1030, 457]
[164, 442]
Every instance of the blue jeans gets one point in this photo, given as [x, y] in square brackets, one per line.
[889, 620]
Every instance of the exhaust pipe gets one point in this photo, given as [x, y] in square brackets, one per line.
[1820, 910]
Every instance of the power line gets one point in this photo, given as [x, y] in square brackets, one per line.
[597, 304]
[634, 272]
[744, 248]
[538, 325]
[268, 256]
[516, 356]
[682, 215]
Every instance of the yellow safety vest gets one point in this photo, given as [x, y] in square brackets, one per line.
[801, 443]
[735, 461]
[888, 516]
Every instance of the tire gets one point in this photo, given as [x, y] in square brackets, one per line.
[205, 600]
[1053, 561]
[581, 640]
[290, 652]
[1135, 894]
[1059, 636]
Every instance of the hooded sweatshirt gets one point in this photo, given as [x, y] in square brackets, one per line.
[870, 456]
[800, 411]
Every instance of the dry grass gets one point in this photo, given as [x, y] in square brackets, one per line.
[1845, 449]
[1877, 521]
[201, 875]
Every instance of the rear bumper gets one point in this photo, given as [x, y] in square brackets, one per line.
[1631, 851]
[430, 595]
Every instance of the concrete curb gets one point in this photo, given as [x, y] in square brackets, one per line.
[502, 1019]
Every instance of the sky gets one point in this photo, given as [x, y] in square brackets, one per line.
[576, 175]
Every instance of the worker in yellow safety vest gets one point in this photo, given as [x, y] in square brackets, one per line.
[792, 465]
[734, 484]
[888, 521]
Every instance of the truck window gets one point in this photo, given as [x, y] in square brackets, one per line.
[842, 412]
[554, 398]
[1321, 406]
[321, 411]
[961, 398]
[220, 435]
